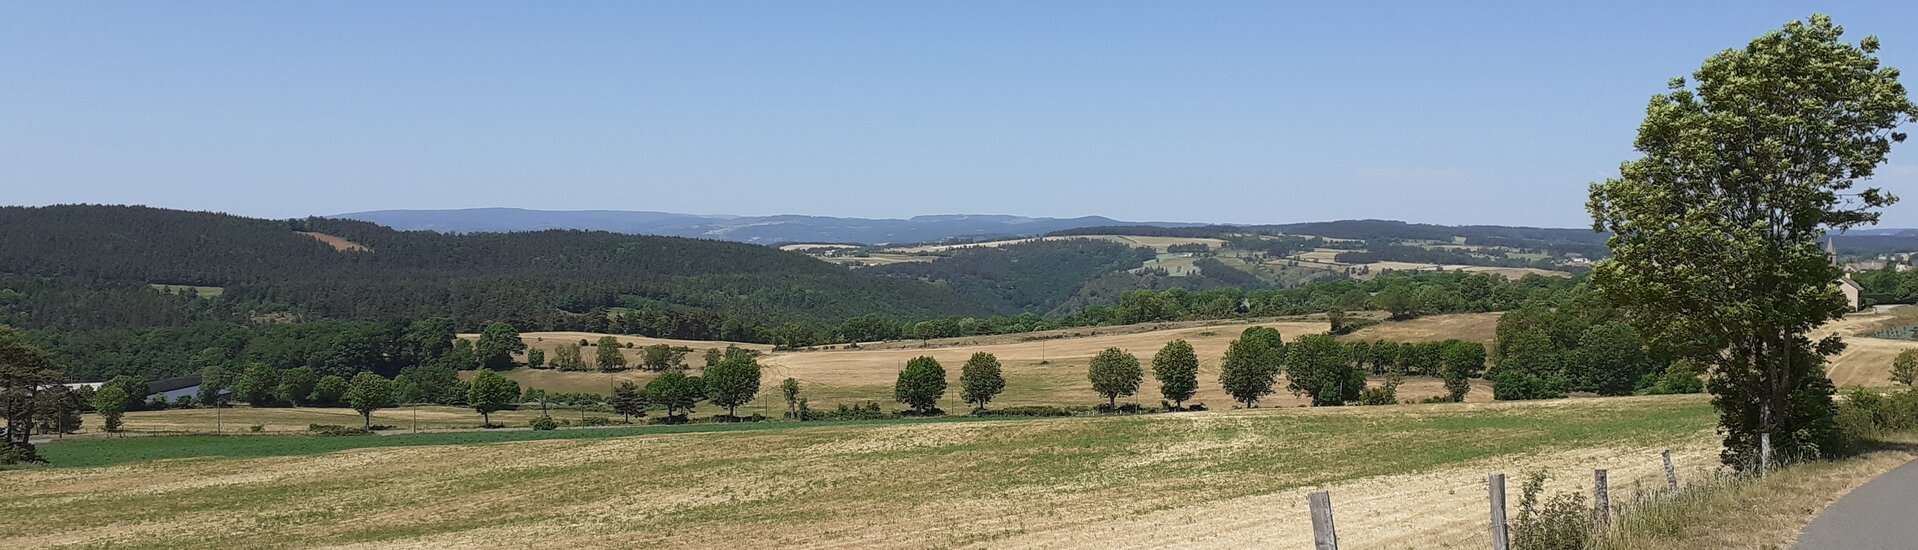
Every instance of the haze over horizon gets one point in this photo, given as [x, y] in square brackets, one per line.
[1216, 112]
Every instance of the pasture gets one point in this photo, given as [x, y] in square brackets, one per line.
[1219, 479]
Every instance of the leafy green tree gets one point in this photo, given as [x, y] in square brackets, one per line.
[296, 385]
[491, 392]
[1531, 368]
[629, 401]
[1176, 367]
[566, 357]
[368, 392]
[1681, 377]
[658, 357]
[536, 358]
[1609, 360]
[329, 390]
[256, 384]
[1459, 363]
[1316, 367]
[497, 344]
[675, 391]
[1251, 366]
[921, 384]
[215, 382]
[981, 379]
[1397, 300]
[111, 403]
[1716, 228]
[732, 382]
[1114, 374]
[464, 356]
[790, 389]
[607, 355]
[134, 387]
[713, 356]
[1904, 368]
[429, 339]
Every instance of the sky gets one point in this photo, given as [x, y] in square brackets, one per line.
[1233, 112]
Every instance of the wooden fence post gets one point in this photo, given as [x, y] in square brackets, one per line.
[1501, 540]
[1601, 502]
[1324, 535]
[1671, 476]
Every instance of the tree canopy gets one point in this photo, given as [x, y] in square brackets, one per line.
[1716, 228]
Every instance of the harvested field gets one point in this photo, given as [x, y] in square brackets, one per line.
[1866, 361]
[1231, 479]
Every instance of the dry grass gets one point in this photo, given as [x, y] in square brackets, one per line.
[1751, 513]
[1221, 479]
[338, 243]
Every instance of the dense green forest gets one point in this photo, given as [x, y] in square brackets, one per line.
[100, 255]
[1033, 277]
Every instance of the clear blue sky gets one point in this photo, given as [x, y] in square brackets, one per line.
[1250, 112]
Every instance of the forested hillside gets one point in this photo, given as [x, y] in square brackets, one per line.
[92, 267]
[1033, 277]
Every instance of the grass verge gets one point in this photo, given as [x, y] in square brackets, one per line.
[1764, 512]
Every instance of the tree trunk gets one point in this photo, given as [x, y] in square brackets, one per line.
[367, 418]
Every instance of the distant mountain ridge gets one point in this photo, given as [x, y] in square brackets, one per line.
[749, 229]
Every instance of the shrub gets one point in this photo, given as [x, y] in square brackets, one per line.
[1036, 410]
[544, 423]
[331, 430]
[595, 421]
[256, 428]
[1562, 523]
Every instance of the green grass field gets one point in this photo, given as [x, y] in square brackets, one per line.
[1226, 478]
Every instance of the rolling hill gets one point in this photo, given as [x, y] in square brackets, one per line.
[61, 262]
[750, 229]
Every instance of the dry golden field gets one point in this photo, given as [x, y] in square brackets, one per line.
[1401, 477]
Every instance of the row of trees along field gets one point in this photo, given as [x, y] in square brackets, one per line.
[1401, 295]
[343, 348]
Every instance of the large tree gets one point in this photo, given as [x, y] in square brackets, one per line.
[1716, 228]
[607, 355]
[1114, 374]
[675, 391]
[981, 379]
[1251, 365]
[368, 392]
[629, 401]
[1176, 366]
[921, 384]
[732, 382]
[1316, 366]
[497, 344]
[24, 371]
[490, 392]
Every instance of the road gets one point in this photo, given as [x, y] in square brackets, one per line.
[1882, 514]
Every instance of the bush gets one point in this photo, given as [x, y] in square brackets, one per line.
[1562, 523]
[20, 454]
[1865, 414]
[1128, 408]
[1035, 410]
[256, 428]
[332, 430]
[544, 423]
[595, 421]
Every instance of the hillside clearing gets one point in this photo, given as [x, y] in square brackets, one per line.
[337, 242]
[1215, 479]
